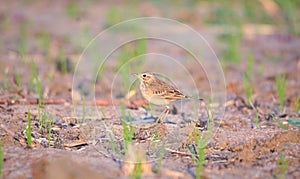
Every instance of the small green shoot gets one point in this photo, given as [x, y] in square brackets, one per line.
[73, 11]
[281, 167]
[31, 84]
[39, 91]
[201, 141]
[35, 79]
[200, 153]
[248, 90]
[159, 161]
[201, 162]
[137, 172]
[63, 62]
[1, 158]
[210, 118]
[256, 120]
[50, 129]
[18, 80]
[43, 121]
[23, 41]
[280, 88]
[127, 132]
[297, 105]
[279, 122]
[28, 130]
[112, 142]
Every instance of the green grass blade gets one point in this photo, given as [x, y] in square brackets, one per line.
[256, 120]
[28, 130]
[279, 122]
[1, 158]
[281, 89]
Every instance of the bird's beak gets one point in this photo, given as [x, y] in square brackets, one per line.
[135, 74]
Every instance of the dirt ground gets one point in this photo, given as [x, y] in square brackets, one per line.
[79, 139]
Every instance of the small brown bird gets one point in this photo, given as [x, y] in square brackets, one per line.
[159, 92]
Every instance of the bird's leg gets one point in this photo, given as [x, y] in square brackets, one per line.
[161, 115]
[165, 112]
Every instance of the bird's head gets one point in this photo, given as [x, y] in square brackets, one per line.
[145, 77]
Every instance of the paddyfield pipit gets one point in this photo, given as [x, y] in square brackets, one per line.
[158, 92]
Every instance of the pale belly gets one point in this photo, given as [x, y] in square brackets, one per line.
[157, 100]
[154, 99]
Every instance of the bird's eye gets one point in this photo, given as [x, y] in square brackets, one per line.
[144, 75]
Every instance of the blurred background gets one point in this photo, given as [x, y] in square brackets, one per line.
[52, 35]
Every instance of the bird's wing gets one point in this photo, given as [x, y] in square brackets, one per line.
[168, 92]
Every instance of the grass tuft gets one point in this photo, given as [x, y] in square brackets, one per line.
[281, 167]
[28, 130]
[199, 156]
[63, 62]
[112, 142]
[201, 141]
[280, 88]
[43, 121]
[127, 132]
[137, 172]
